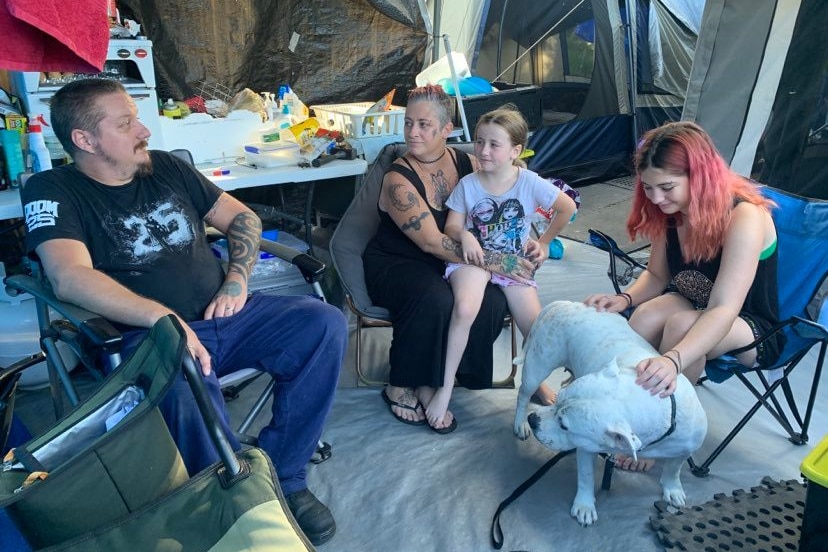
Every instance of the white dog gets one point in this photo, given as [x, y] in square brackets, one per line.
[604, 410]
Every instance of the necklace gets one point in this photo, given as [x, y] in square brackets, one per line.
[418, 160]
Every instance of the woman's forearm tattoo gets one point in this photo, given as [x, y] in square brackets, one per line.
[452, 246]
[507, 262]
[243, 237]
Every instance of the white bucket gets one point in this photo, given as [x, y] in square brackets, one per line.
[440, 70]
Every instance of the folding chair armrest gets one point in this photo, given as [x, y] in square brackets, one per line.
[96, 329]
[809, 329]
[312, 269]
[805, 328]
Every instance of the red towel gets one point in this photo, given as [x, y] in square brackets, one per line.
[53, 35]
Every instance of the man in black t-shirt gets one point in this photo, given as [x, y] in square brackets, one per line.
[121, 232]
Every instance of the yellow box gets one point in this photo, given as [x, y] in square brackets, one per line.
[815, 520]
[16, 122]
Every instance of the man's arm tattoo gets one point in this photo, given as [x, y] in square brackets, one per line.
[414, 222]
[208, 218]
[243, 237]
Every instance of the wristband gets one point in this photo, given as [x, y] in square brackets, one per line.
[627, 297]
[671, 359]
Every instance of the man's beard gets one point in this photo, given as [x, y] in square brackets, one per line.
[144, 169]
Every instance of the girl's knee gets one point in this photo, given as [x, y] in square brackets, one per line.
[465, 309]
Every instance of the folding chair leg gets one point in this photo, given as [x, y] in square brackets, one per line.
[509, 381]
[703, 469]
[812, 398]
[257, 407]
[58, 378]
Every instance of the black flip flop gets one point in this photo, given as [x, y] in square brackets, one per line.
[443, 430]
[414, 408]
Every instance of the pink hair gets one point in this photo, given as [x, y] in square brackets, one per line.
[683, 148]
[434, 93]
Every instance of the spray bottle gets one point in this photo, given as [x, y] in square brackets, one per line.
[41, 159]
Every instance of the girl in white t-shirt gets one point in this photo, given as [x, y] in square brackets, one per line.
[488, 213]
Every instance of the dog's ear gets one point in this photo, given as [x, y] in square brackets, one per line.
[622, 438]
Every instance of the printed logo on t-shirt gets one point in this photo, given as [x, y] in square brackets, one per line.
[162, 227]
[499, 227]
[43, 212]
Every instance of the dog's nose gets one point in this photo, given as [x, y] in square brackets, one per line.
[534, 420]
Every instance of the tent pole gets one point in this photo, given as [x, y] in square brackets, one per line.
[632, 78]
[457, 94]
[438, 13]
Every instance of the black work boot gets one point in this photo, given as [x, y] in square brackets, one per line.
[312, 516]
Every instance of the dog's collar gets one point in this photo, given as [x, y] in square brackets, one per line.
[672, 427]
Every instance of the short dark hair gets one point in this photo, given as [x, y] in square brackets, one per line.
[74, 107]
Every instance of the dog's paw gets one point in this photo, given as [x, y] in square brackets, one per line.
[584, 513]
[674, 496]
[522, 430]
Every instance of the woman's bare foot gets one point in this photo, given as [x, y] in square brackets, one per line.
[427, 396]
[628, 463]
[404, 404]
[545, 395]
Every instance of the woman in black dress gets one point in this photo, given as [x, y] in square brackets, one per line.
[405, 261]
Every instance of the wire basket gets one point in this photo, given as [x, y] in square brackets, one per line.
[216, 96]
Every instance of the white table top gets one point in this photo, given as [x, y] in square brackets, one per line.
[245, 176]
[10, 204]
[240, 176]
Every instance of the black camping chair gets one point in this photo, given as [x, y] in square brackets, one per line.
[355, 229]
[802, 236]
[92, 337]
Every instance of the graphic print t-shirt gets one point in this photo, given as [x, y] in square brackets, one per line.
[502, 223]
[148, 234]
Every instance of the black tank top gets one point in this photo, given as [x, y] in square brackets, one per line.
[389, 239]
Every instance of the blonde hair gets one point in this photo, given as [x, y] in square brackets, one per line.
[510, 119]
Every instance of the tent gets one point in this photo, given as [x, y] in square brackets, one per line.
[584, 55]
[759, 85]
[574, 51]
[604, 71]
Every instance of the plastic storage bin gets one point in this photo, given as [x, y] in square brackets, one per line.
[353, 121]
[815, 521]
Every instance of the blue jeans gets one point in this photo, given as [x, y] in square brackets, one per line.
[300, 341]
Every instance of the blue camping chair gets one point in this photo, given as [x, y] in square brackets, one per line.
[802, 234]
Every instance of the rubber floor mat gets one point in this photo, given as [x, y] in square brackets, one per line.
[767, 517]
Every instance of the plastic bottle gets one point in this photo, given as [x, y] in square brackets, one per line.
[284, 119]
[268, 104]
[171, 109]
[13, 156]
[41, 158]
[299, 110]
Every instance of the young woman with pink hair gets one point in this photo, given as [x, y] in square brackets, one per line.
[710, 284]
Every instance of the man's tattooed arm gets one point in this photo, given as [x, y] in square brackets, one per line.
[243, 237]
